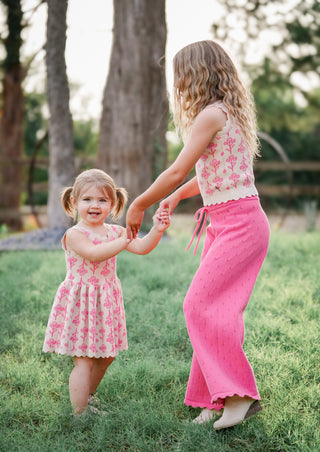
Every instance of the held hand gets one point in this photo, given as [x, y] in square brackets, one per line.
[134, 220]
[161, 220]
[124, 235]
[169, 203]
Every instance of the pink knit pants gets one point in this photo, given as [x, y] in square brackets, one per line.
[235, 246]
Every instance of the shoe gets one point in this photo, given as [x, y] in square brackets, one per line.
[236, 411]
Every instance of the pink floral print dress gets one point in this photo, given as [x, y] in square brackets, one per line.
[87, 317]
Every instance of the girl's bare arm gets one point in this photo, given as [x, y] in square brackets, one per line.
[81, 245]
[187, 190]
[205, 127]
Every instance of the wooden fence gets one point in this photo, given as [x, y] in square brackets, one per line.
[290, 188]
[286, 190]
[266, 189]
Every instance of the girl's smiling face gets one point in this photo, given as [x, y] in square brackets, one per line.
[93, 205]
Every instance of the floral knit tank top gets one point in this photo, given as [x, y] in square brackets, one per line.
[224, 171]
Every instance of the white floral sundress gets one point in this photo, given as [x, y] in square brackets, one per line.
[87, 317]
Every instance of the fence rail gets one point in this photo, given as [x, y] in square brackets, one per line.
[260, 166]
[287, 190]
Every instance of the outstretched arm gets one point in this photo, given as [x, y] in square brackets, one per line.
[205, 126]
[186, 190]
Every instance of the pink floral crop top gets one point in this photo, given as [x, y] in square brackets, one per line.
[224, 171]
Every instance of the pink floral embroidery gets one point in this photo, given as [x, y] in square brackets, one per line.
[51, 343]
[218, 181]
[212, 147]
[204, 157]
[243, 165]
[81, 270]
[76, 321]
[110, 337]
[105, 270]
[232, 160]
[84, 313]
[230, 142]
[59, 310]
[54, 327]
[93, 280]
[93, 315]
[94, 266]
[235, 178]
[205, 174]
[71, 262]
[241, 148]
[225, 164]
[247, 181]
[83, 347]
[215, 164]
[84, 332]
[88, 307]
[74, 337]
[103, 348]
[109, 320]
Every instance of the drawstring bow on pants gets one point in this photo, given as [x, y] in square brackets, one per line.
[200, 216]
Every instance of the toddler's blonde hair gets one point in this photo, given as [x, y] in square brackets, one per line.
[203, 74]
[97, 177]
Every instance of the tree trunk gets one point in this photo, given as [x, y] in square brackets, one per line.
[12, 121]
[132, 141]
[62, 162]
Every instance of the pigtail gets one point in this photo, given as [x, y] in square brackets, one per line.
[121, 199]
[66, 202]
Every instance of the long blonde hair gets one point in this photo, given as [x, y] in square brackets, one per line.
[203, 74]
[100, 179]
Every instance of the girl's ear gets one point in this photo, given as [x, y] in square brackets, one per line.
[73, 202]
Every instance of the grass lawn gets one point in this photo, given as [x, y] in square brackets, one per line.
[143, 390]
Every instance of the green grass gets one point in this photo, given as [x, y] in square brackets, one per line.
[143, 391]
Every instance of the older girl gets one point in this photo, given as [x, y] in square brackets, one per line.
[215, 115]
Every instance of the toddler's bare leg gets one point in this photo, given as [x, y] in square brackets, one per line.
[79, 383]
[97, 372]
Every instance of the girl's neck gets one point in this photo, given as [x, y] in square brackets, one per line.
[98, 228]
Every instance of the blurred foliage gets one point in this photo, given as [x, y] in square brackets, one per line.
[277, 45]
[35, 123]
[13, 40]
[85, 137]
[287, 32]
[36, 126]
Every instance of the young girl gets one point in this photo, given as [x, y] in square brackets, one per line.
[87, 320]
[216, 116]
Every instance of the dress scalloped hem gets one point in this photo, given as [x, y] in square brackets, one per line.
[89, 355]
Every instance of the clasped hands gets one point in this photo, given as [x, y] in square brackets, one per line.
[161, 219]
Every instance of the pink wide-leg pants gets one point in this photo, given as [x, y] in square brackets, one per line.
[235, 246]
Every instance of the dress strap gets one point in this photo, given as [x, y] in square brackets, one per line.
[200, 217]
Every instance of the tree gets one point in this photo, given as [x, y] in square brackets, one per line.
[12, 119]
[132, 141]
[284, 33]
[278, 45]
[62, 165]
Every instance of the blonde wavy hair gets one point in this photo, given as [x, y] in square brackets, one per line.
[97, 177]
[203, 74]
